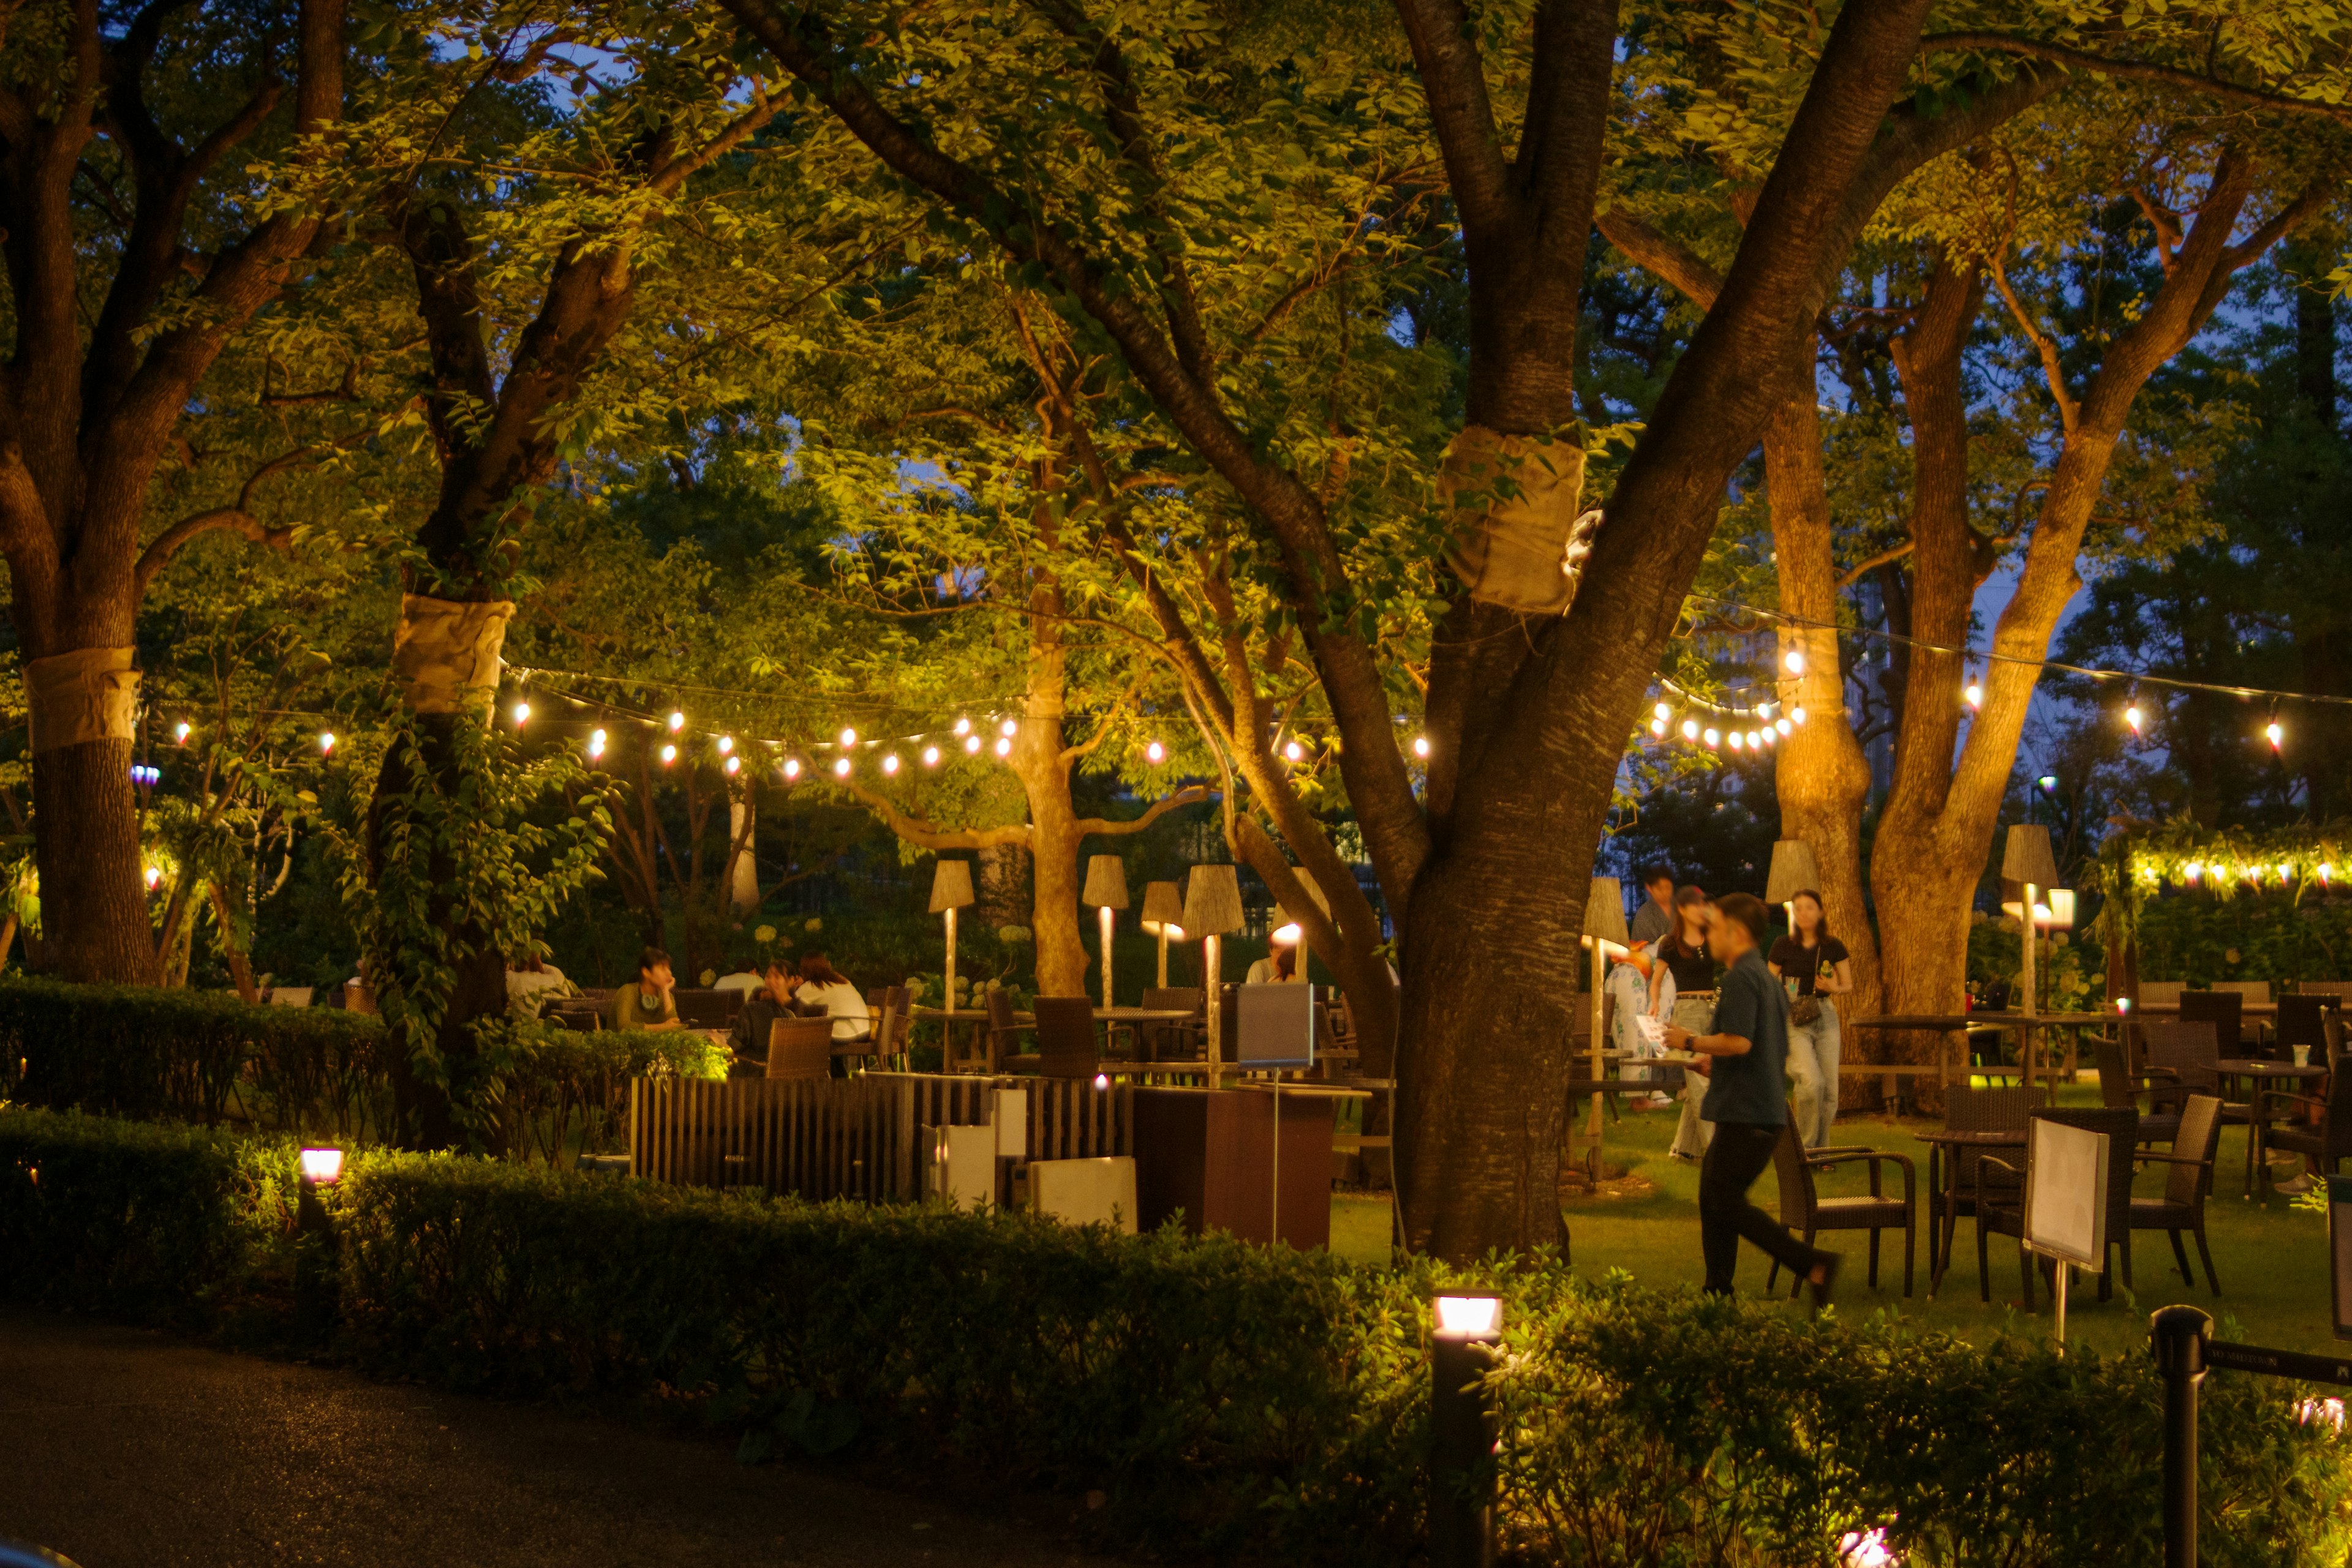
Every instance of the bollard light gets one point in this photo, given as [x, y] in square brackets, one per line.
[1468, 1325]
[322, 1167]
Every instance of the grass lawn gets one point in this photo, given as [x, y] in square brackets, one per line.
[2272, 1261]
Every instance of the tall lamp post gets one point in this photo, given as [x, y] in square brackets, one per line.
[950, 891]
[2026, 861]
[1213, 906]
[1107, 891]
[1604, 922]
[1163, 917]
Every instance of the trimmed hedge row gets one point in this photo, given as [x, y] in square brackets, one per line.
[208, 1057]
[1225, 1399]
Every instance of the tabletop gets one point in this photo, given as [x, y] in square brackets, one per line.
[1925, 1021]
[1986, 1140]
[2238, 1067]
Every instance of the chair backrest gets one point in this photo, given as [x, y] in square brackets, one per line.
[2323, 987]
[2251, 990]
[2338, 1127]
[883, 1020]
[2222, 1009]
[2200, 1134]
[2161, 993]
[2114, 1074]
[799, 1047]
[291, 996]
[999, 1009]
[1798, 1198]
[707, 1009]
[2303, 1021]
[1984, 1111]
[2122, 1128]
[2190, 1051]
[1190, 997]
[893, 1040]
[1066, 1037]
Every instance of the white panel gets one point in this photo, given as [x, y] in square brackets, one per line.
[2067, 1192]
[1274, 1025]
[1011, 1118]
[1086, 1192]
[962, 1166]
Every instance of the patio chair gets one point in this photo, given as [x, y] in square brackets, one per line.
[2302, 1021]
[1971, 1110]
[1182, 1041]
[2187, 1053]
[2341, 989]
[2225, 1010]
[2161, 993]
[1066, 1038]
[800, 1049]
[2120, 1088]
[2328, 1141]
[1804, 1211]
[2001, 1211]
[1004, 1031]
[2251, 990]
[2186, 1185]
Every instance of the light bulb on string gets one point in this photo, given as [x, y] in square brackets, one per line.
[1733, 741]
[964, 726]
[1712, 738]
[1766, 734]
[1797, 715]
[2274, 731]
[2132, 717]
[1690, 729]
[327, 743]
[930, 756]
[849, 738]
[677, 721]
[595, 745]
[890, 764]
[2323, 870]
[668, 755]
[1662, 712]
[180, 731]
[1295, 752]
[792, 769]
[1973, 695]
[1783, 725]
[1421, 747]
[155, 878]
[1155, 753]
[2193, 870]
[1795, 661]
[1009, 729]
[1755, 739]
[734, 765]
[521, 714]
[841, 768]
[1658, 728]
[1004, 748]
[972, 744]
[726, 745]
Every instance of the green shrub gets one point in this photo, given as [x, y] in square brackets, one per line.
[2196, 937]
[1227, 1398]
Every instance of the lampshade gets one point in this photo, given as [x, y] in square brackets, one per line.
[1213, 902]
[1793, 871]
[950, 886]
[2027, 858]
[1106, 882]
[1604, 913]
[1163, 906]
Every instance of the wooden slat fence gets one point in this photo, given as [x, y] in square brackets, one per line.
[856, 1138]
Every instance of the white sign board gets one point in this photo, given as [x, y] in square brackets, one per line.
[2067, 1192]
[962, 1168]
[1086, 1191]
[1274, 1025]
[1012, 1120]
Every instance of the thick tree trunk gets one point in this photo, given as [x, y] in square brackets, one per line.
[94, 900]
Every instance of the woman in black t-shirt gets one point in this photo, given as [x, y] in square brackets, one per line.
[1689, 1001]
[1811, 964]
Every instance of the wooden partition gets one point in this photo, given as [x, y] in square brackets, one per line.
[854, 1137]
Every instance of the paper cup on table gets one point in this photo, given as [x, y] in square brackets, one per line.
[2303, 1056]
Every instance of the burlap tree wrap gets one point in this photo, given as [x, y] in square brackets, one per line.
[1518, 540]
[90, 694]
[447, 649]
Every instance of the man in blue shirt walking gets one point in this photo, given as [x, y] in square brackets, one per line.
[1748, 1100]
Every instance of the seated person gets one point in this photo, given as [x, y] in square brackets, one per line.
[747, 981]
[533, 981]
[826, 987]
[1278, 967]
[650, 1001]
[775, 999]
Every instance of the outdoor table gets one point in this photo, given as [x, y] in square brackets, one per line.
[2264, 1074]
[1963, 1024]
[1939, 1241]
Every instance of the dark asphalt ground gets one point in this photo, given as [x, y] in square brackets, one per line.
[125, 1449]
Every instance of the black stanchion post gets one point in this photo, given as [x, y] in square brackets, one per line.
[1461, 1430]
[2178, 1336]
[316, 1275]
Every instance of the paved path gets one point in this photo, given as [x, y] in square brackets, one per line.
[124, 1449]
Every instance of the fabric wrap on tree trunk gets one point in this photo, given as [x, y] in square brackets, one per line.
[1518, 540]
[446, 650]
[90, 694]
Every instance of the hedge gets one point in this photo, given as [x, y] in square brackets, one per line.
[1225, 1399]
[210, 1058]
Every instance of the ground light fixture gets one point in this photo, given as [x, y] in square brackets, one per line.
[322, 1167]
[1467, 1327]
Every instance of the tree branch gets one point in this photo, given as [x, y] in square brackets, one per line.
[1190, 795]
[2141, 70]
[916, 831]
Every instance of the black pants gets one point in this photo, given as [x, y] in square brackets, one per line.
[1737, 1156]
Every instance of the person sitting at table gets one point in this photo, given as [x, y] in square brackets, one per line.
[1278, 967]
[533, 982]
[650, 1001]
[825, 988]
[776, 998]
[1811, 965]
[1680, 972]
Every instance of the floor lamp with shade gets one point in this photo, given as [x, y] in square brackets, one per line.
[1793, 872]
[1604, 923]
[950, 891]
[1107, 891]
[2027, 862]
[1213, 906]
[1163, 917]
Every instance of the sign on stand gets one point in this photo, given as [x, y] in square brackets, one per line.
[2066, 1201]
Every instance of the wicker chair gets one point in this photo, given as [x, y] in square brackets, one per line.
[2120, 1088]
[1004, 1030]
[1176, 1042]
[2225, 1010]
[2001, 1211]
[1971, 1110]
[2161, 993]
[800, 1049]
[1066, 1038]
[2329, 1141]
[1806, 1211]
[2247, 990]
[2182, 1206]
[2302, 1021]
[2186, 1051]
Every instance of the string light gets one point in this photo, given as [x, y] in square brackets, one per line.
[726, 745]
[733, 764]
[155, 878]
[1662, 713]
[792, 769]
[1757, 738]
[1421, 747]
[2274, 731]
[327, 743]
[1294, 752]
[1797, 715]
[180, 731]
[1973, 696]
[1009, 729]
[1712, 738]
[677, 721]
[1155, 753]
[595, 745]
[972, 744]
[849, 738]
[2132, 718]
[930, 756]
[1795, 659]
[890, 764]
[668, 755]
[964, 726]
[1733, 741]
[1658, 728]
[1004, 748]
[1783, 725]
[841, 768]
[1690, 729]
[521, 714]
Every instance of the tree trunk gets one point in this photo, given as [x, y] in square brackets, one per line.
[94, 900]
[1037, 760]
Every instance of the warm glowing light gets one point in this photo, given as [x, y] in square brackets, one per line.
[155, 878]
[322, 1167]
[677, 721]
[326, 741]
[791, 767]
[1766, 734]
[1658, 728]
[1974, 695]
[726, 745]
[1004, 748]
[2122, 1004]
[1690, 729]
[1294, 751]
[1783, 725]
[2049, 783]
[930, 756]
[521, 714]
[1288, 935]
[180, 731]
[1471, 1316]
[669, 756]
[2193, 870]
[2323, 870]
[891, 764]
[1421, 747]
[1010, 727]
[1734, 740]
[2274, 733]
[1865, 1549]
[841, 769]
[849, 738]
[972, 744]
[964, 726]
[1797, 715]
[1102, 1081]
[595, 744]
[2132, 718]
[1661, 711]
[1712, 738]
[1795, 660]
[2286, 872]
[734, 765]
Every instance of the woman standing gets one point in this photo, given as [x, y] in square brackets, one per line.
[1812, 966]
[1681, 975]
